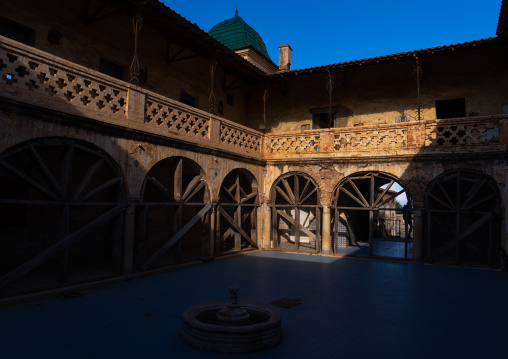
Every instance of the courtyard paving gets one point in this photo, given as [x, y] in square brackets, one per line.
[350, 308]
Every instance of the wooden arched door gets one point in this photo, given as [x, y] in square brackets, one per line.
[61, 214]
[368, 219]
[463, 219]
[296, 213]
[237, 213]
[174, 214]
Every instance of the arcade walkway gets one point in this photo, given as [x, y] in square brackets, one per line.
[350, 308]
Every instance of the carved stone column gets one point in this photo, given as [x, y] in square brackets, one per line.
[267, 226]
[129, 234]
[325, 234]
[417, 232]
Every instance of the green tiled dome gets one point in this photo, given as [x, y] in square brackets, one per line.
[235, 33]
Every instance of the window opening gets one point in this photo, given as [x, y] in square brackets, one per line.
[451, 108]
[17, 32]
[111, 69]
[187, 99]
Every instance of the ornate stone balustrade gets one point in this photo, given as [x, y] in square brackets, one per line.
[461, 132]
[35, 77]
[406, 138]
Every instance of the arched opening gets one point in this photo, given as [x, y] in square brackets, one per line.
[296, 213]
[463, 219]
[174, 214]
[61, 214]
[372, 216]
[237, 212]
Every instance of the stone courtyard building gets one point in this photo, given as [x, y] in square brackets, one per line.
[132, 141]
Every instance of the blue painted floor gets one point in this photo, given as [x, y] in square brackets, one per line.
[350, 308]
[394, 247]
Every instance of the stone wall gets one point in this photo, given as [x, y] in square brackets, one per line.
[380, 94]
[112, 38]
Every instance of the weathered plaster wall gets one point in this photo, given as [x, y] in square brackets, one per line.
[112, 38]
[379, 94]
[15, 129]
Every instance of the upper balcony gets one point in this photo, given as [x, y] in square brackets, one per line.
[35, 77]
[38, 78]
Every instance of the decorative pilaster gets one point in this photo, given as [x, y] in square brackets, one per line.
[418, 232]
[325, 234]
[129, 228]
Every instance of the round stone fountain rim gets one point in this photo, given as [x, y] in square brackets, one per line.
[275, 316]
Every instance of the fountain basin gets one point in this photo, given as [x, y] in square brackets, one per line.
[262, 330]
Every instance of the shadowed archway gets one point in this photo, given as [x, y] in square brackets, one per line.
[463, 219]
[368, 218]
[237, 212]
[61, 214]
[174, 214]
[296, 213]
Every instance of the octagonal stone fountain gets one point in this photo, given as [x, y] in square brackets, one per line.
[232, 327]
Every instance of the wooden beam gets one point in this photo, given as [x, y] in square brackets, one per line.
[101, 188]
[457, 239]
[236, 226]
[391, 197]
[307, 196]
[61, 245]
[304, 190]
[297, 225]
[289, 191]
[174, 239]
[28, 180]
[382, 194]
[366, 203]
[178, 180]
[445, 193]
[249, 196]
[66, 170]
[278, 189]
[92, 170]
[45, 169]
[353, 197]
[190, 188]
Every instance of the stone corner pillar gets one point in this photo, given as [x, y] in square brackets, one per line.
[266, 243]
[129, 235]
[135, 105]
[326, 239]
[418, 232]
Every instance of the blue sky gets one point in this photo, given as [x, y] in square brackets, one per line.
[325, 32]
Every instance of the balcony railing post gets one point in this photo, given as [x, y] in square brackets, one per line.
[503, 131]
[326, 141]
[135, 106]
[215, 129]
[416, 134]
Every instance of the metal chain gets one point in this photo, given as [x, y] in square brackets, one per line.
[212, 99]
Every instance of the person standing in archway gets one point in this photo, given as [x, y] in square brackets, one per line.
[408, 220]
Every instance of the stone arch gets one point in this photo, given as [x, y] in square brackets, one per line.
[367, 219]
[174, 214]
[61, 213]
[463, 219]
[237, 212]
[296, 213]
